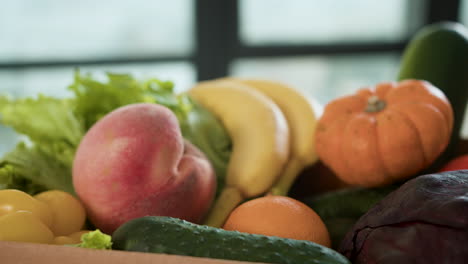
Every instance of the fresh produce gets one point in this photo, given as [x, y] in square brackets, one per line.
[384, 134]
[260, 141]
[174, 236]
[70, 239]
[280, 216]
[24, 226]
[423, 221]
[68, 214]
[438, 53]
[134, 162]
[86, 239]
[52, 217]
[54, 132]
[301, 114]
[95, 240]
[341, 209]
[54, 127]
[457, 163]
[143, 158]
[198, 125]
[206, 132]
[15, 200]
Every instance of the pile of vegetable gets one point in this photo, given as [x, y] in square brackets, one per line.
[145, 169]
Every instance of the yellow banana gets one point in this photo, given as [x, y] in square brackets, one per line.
[260, 138]
[302, 114]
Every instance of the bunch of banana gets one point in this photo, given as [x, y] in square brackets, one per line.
[301, 114]
[272, 128]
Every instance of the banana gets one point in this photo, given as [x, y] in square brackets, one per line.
[302, 114]
[260, 137]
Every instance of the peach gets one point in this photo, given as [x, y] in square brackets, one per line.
[134, 162]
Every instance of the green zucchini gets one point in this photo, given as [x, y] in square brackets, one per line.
[438, 53]
[341, 209]
[159, 234]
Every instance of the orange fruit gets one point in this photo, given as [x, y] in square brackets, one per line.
[279, 216]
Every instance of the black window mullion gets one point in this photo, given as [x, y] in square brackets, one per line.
[76, 63]
[326, 49]
[218, 43]
[245, 51]
[442, 11]
[217, 37]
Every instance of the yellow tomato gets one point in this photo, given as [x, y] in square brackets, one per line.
[64, 240]
[68, 213]
[71, 239]
[24, 226]
[12, 200]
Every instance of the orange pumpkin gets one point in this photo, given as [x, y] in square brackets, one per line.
[384, 134]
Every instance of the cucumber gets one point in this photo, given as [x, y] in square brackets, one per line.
[438, 53]
[167, 235]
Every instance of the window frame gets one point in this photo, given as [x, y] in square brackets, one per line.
[218, 43]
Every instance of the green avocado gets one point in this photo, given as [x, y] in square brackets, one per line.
[438, 53]
[160, 234]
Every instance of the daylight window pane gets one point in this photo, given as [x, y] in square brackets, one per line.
[53, 81]
[464, 12]
[87, 29]
[318, 21]
[323, 78]
[8, 139]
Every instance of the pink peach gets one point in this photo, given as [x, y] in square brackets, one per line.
[134, 162]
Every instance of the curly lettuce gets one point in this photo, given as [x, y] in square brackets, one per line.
[44, 160]
[95, 240]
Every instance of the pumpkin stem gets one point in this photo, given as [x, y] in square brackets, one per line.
[374, 104]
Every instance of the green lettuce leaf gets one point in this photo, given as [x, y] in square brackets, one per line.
[95, 240]
[43, 119]
[53, 134]
[94, 99]
[206, 132]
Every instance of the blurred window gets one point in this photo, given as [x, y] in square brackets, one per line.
[333, 25]
[42, 41]
[53, 81]
[320, 22]
[322, 77]
[87, 29]
[464, 12]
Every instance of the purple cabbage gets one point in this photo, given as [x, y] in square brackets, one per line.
[423, 221]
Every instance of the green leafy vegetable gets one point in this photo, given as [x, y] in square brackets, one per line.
[94, 99]
[44, 119]
[203, 130]
[95, 240]
[44, 161]
[54, 127]
[341, 209]
[35, 169]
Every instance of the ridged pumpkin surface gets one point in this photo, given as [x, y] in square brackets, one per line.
[386, 133]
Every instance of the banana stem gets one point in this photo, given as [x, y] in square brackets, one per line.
[286, 180]
[229, 198]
